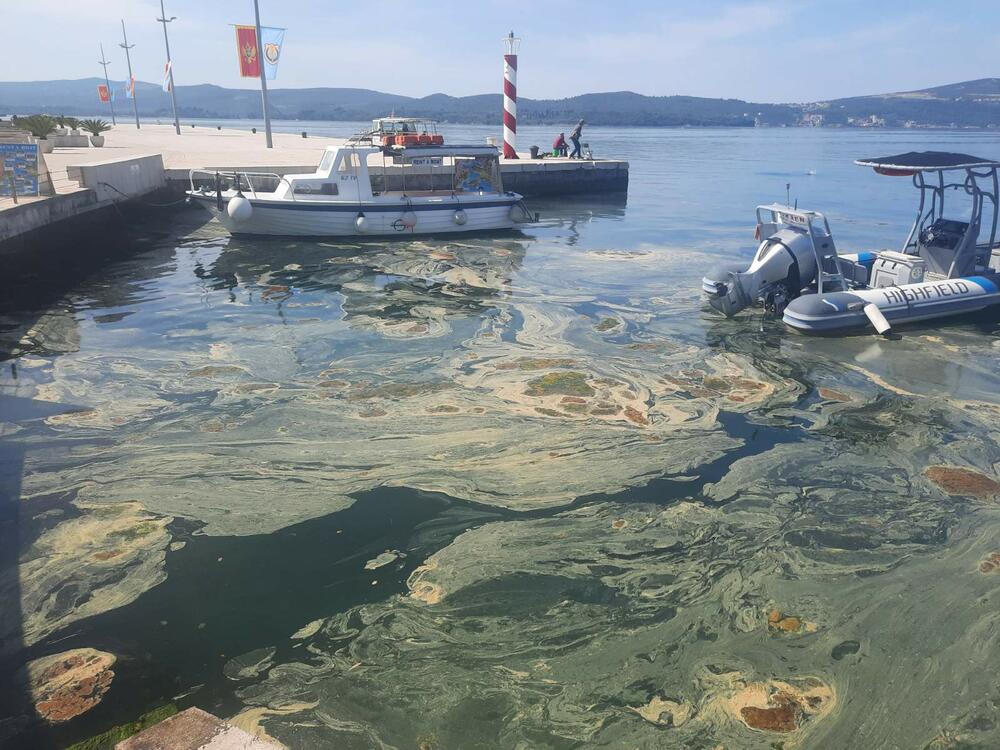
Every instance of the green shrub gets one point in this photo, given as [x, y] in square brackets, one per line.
[40, 126]
[95, 127]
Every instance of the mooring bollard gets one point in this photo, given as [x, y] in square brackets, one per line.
[253, 130]
[303, 134]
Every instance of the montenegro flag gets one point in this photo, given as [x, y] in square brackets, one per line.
[246, 45]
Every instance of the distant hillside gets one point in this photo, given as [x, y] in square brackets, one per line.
[617, 108]
[968, 104]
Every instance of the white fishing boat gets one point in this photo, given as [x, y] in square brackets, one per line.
[423, 187]
[948, 265]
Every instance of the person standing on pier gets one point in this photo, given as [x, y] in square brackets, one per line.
[575, 138]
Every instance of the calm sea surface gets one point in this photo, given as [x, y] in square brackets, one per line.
[508, 491]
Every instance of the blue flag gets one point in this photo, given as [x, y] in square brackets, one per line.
[272, 40]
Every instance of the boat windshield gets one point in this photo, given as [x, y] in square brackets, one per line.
[327, 162]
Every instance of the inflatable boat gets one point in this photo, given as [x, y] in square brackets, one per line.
[947, 266]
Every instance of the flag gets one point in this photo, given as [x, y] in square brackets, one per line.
[130, 88]
[167, 69]
[271, 41]
[246, 47]
[102, 93]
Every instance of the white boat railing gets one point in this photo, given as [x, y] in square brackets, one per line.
[235, 178]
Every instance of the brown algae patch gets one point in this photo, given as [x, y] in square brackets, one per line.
[729, 381]
[779, 706]
[783, 624]
[832, 394]
[71, 683]
[991, 564]
[961, 481]
[635, 416]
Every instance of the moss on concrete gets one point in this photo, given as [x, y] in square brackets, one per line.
[107, 740]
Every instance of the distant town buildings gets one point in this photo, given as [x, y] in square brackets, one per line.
[872, 121]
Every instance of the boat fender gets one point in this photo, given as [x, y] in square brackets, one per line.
[877, 319]
[460, 217]
[518, 214]
[361, 223]
[239, 209]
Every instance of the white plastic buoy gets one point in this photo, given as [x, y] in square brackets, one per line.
[239, 209]
[408, 220]
[518, 214]
[361, 223]
[876, 318]
[460, 217]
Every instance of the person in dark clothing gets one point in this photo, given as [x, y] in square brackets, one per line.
[575, 138]
[560, 147]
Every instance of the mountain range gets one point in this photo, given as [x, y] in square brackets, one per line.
[968, 104]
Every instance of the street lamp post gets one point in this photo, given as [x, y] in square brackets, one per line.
[170, 68]
[111, 99]
[126, 46]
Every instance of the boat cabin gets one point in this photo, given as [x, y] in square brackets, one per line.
[345, 175]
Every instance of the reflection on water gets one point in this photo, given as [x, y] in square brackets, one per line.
[517, 490]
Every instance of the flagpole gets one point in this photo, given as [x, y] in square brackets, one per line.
[111, 99]
[170, 68]
[263, 77]
[126, 46]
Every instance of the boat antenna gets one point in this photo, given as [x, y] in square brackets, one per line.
[788, 193]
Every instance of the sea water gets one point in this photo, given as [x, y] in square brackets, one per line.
[520, 490]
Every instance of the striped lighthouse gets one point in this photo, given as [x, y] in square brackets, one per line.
[510, 97]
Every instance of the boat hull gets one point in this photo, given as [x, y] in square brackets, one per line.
[329, 219]
[908, 303]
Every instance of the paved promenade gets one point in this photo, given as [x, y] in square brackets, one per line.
[195, 147]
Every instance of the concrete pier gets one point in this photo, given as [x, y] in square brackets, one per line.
[195, 729]
[137, 163]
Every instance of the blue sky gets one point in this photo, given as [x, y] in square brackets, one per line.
[762, 50]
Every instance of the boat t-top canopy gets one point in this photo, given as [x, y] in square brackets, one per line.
[904, 165]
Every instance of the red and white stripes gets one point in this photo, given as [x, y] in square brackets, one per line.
[510, 98]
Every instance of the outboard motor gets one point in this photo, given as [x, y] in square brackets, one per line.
[782, 267]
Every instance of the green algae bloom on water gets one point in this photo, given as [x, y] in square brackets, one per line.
[507, 492]
[560, 384]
